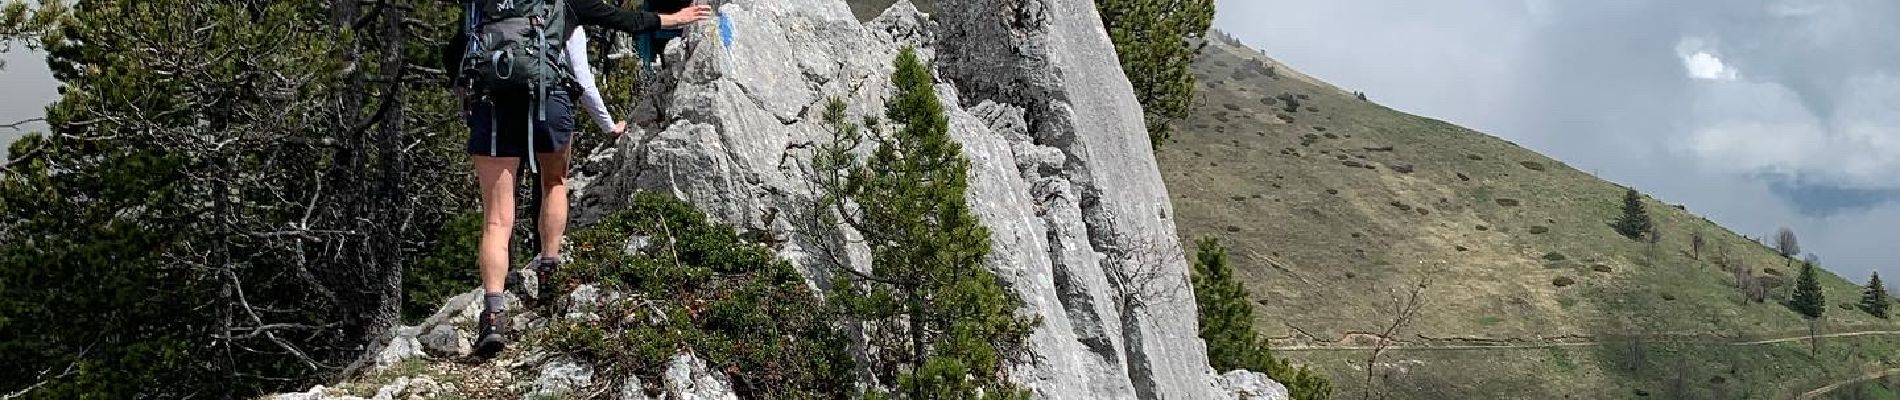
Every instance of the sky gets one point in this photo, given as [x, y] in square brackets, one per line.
[1757, 114]
[29, 86]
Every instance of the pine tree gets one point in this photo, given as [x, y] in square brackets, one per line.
[1226, 319]
[1635, 221]
[1809, 301]
[1157, 41]
[945, 320]
[31, 26]
[1874, 297]
[226, 195]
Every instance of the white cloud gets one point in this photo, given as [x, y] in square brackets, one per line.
[1702, 64]
[1749, 147]
[1754, 128]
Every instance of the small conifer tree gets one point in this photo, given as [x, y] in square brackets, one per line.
[1874, 298]
[1226, 319]
[945, 322]
[1635, 221]
[1809, 301]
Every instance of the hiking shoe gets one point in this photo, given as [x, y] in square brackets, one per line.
[492, 330]
[544, 269]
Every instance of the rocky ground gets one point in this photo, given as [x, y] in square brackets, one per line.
[431, 360]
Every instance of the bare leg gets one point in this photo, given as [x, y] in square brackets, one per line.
[497, 178]
[553, 200]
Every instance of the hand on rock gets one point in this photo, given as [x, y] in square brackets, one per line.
[685, 16]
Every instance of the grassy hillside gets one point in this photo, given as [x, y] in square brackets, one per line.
[1331, 204]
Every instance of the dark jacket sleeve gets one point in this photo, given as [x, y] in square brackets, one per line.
[599, 13]
[452, 51]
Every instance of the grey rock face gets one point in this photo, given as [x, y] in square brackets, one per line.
[632, 389]
[404, 346]
[688, 378]
[316, 393]
[1052, 59]
[401, 388]
[446, 340]
[1062, 172]
[1249, 385]
[561, 378]
[583, 302]
[407, 387]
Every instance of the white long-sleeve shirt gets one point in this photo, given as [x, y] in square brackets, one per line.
[584, 75]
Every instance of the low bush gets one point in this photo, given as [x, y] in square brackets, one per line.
[696, 285]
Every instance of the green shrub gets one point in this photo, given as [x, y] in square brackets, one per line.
[449, 268]
[1226, 320]
[699, 286]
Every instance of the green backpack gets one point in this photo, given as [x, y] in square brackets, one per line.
[516, 45]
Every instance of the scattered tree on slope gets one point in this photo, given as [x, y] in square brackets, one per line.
[1809, 301]
[1635, 220]
[1787, 245]
[1157, 41]
[942, 320]
[1226, 319]
[1874, 298]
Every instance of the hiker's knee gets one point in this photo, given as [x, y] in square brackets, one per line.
[553, 179]
[498, 220]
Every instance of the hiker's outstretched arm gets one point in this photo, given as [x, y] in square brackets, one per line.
[584, 76]
[599, 13]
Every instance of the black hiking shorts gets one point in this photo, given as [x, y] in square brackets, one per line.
[498, 126]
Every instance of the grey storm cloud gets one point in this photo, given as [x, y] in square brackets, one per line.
[1757, 114]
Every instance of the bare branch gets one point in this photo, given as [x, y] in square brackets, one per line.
[1405, 307]
[15, 125]
[43, 379]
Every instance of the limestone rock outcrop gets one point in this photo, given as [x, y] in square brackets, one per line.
[1062, 172]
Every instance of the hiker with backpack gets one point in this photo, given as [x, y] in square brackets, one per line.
[512, 68]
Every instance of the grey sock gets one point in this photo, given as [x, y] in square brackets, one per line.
[494, 302]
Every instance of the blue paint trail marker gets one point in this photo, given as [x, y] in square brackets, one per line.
[725, 35]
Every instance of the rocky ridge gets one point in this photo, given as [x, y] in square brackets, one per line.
[1062, 174]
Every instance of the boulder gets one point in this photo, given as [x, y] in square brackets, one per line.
[1248, 385]
[688, 378]
[561, 378]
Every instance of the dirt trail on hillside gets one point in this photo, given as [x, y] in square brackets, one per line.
[1816, 393]
[1559, 344]
[1831, 335]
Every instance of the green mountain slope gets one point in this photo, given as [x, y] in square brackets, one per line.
[1330, 205]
